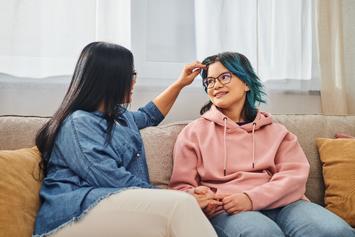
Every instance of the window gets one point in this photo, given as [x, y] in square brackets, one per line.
[276, 35]
[44, 38]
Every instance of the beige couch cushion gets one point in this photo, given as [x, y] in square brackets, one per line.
[19, 132]
[159, 143]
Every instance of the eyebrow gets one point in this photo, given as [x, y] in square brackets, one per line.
[219, 74]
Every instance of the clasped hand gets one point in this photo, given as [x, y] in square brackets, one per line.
[212, 203]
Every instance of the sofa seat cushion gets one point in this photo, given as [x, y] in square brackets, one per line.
[19, 191]
[338, 159]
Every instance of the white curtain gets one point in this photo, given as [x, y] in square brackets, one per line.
[276, 35]
[40, 38]
[40, 41]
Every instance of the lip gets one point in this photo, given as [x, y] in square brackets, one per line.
[220, 94]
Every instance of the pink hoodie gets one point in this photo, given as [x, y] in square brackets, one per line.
[262, 159]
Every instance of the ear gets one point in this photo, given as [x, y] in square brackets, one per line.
[246, 88]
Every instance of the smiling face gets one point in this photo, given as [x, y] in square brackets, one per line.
[226, 96]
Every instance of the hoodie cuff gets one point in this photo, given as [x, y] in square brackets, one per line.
[252, 205]
[255, 202]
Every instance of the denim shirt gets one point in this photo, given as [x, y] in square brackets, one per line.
[83, 168]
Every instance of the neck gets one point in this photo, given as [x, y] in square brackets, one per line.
[235, 112]
[101, 107]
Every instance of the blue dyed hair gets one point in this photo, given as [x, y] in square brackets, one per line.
[240, 66]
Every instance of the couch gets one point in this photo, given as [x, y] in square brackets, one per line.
[18, 132]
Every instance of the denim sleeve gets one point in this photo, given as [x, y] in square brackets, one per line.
[148, 115]
[87, 155]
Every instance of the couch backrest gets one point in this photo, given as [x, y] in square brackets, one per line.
[18, 132]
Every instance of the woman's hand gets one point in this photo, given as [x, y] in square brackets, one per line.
[204, 196]
[166, 99]
[189, 73]
[235, 203]
[206, 199]
[212, 208]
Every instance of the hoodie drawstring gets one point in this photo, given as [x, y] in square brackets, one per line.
[225, 147]
[253, 134]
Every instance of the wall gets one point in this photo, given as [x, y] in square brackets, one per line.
[43, 96]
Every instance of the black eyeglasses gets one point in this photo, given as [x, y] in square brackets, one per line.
[223, 78]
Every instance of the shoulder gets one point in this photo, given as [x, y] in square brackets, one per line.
[279, 130]
[278, 127]
[195, 127]
[81, 116]
[268, 120]
[266, 124]
[83, 121]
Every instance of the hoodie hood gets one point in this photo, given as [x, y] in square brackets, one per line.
[229, 126]
[216, 116]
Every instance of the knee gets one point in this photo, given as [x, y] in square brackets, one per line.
[264, 230]
[331, 230]
[186, 200]
[182, 199]
[341, 231]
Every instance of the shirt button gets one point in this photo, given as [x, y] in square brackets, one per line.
[138, 155]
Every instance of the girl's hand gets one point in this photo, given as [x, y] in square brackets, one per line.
[189, 73]
[235, 203]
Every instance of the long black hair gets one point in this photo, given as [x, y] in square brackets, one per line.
[239, 65]
[102, 76]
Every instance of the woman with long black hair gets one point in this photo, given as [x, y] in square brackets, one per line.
[93, 159]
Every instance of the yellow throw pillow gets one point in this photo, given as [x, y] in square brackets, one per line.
[338, 159]
[19, 191]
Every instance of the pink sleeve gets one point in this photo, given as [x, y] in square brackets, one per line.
[185, 157]
[288, 183]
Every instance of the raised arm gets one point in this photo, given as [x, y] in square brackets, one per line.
[166, 99]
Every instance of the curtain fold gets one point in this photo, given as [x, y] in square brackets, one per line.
[330, 42]
[275, 35]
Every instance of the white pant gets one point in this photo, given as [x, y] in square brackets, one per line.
[143, 212]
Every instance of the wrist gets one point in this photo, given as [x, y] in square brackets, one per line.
[190, 191]
[178, 85]
[251, 202]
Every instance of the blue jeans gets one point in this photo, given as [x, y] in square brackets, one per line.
[298, 219]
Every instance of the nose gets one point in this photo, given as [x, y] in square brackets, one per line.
[217, 84]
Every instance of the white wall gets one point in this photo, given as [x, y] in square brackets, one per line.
[43, 96]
